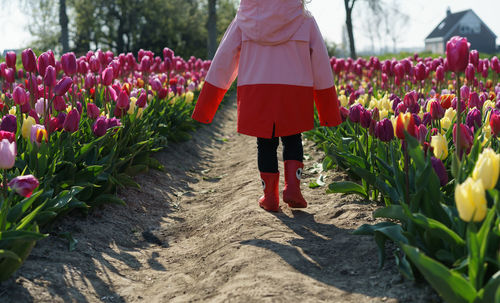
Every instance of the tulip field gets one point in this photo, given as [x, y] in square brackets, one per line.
[74, 130]
[420, 135]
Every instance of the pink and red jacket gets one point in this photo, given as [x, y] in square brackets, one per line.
[283, 69]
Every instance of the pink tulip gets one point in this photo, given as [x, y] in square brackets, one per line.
[10, 59]
[24, 185]
[63, 86]
[29, 60]
[457, 53]
[19, 95]
[8, 153]
[72, 121]
[68, 62]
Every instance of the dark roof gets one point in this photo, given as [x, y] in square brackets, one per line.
[447, 24]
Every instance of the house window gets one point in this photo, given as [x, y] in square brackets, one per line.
[464, 29]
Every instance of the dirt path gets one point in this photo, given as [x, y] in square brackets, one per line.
[195, 233]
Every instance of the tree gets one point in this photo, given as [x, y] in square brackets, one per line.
[212, 28]
[374, 5]
[63, 22]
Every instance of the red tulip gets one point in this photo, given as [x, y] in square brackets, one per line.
[29, 60]
[72, 121]
[10, 59]
[405, 122]
[24, 185]
[457, 53]
[63, 86]
[495, 123]
[68, 62]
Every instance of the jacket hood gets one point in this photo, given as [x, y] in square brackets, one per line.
[270, 22]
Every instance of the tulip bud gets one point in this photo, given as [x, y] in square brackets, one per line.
[495, 123]
[63, 86]
[24, 185]
[457, 53]
[473, 119]
[8, 153]
[92, 111]
[10, 59]
[439, 146]
[440, 170]
[470, 199]
[100, 127]
[487, 168]
[384, 130]
[72, 121]
[68, 63]
[29, 60]
[9, 123]
[49, 79]
[107, 76]
[19, 95]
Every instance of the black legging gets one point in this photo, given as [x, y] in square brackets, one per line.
[267, 157]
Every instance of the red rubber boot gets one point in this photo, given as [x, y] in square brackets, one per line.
[291, 193]
[270, 182]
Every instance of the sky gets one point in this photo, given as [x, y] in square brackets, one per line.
[423, 17]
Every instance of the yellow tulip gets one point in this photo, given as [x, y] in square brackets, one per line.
[488, 104]
[131, 109]
[383, 114]
[343, 100]
[13, 110]
[440, 146]
[26, 128]
[470, 199]
[189, 97]
[450, 113]
[487, 131]
[487, 168]
[445, 123]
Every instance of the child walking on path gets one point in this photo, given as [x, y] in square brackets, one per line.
[277, 51]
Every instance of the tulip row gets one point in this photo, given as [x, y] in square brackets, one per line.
[72, 131]
[427, 147]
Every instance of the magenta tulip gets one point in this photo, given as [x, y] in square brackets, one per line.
[93, 111]
[68, 62]
[63, 86]
[474, 58]
[436, 110]
[29, 60]
[94, 64]
[473, 119]
[466, 137]
[49, 79]
[24, 185]
[10, 59]
[19, 95]
[9, 75]
[457, 53]
[43, 62]
[107, 76]
[384, 130]
[72, 121]
[469, 73]
[123, 100]
[440, 170]
[7, 135]
[440, 73]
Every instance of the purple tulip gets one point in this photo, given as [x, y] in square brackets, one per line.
[466, 137]
[68, 62]
[473, 119]
[9, 123]
[384, 130]
[470, 73]
[365, 118]
[100, 126]
[49, 79]
[421, 133]
[355, 112]
[440, 171]
[9, 75]
[43, 62]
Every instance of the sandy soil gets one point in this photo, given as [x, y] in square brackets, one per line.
[195, 233]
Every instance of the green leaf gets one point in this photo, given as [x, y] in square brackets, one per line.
[20, 208]
[71, 241]
[395, 212]
[491, 291]
[108, 198]
[368, 229]
[347, 187]
[404, 266]
[21, 235]
[9, 255]
[449, 284]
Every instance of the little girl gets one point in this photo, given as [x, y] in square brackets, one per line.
[278, 53]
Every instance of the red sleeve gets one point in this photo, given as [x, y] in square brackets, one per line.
[208, 102]
[327, 105]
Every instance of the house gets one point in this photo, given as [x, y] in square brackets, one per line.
[465, 24]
